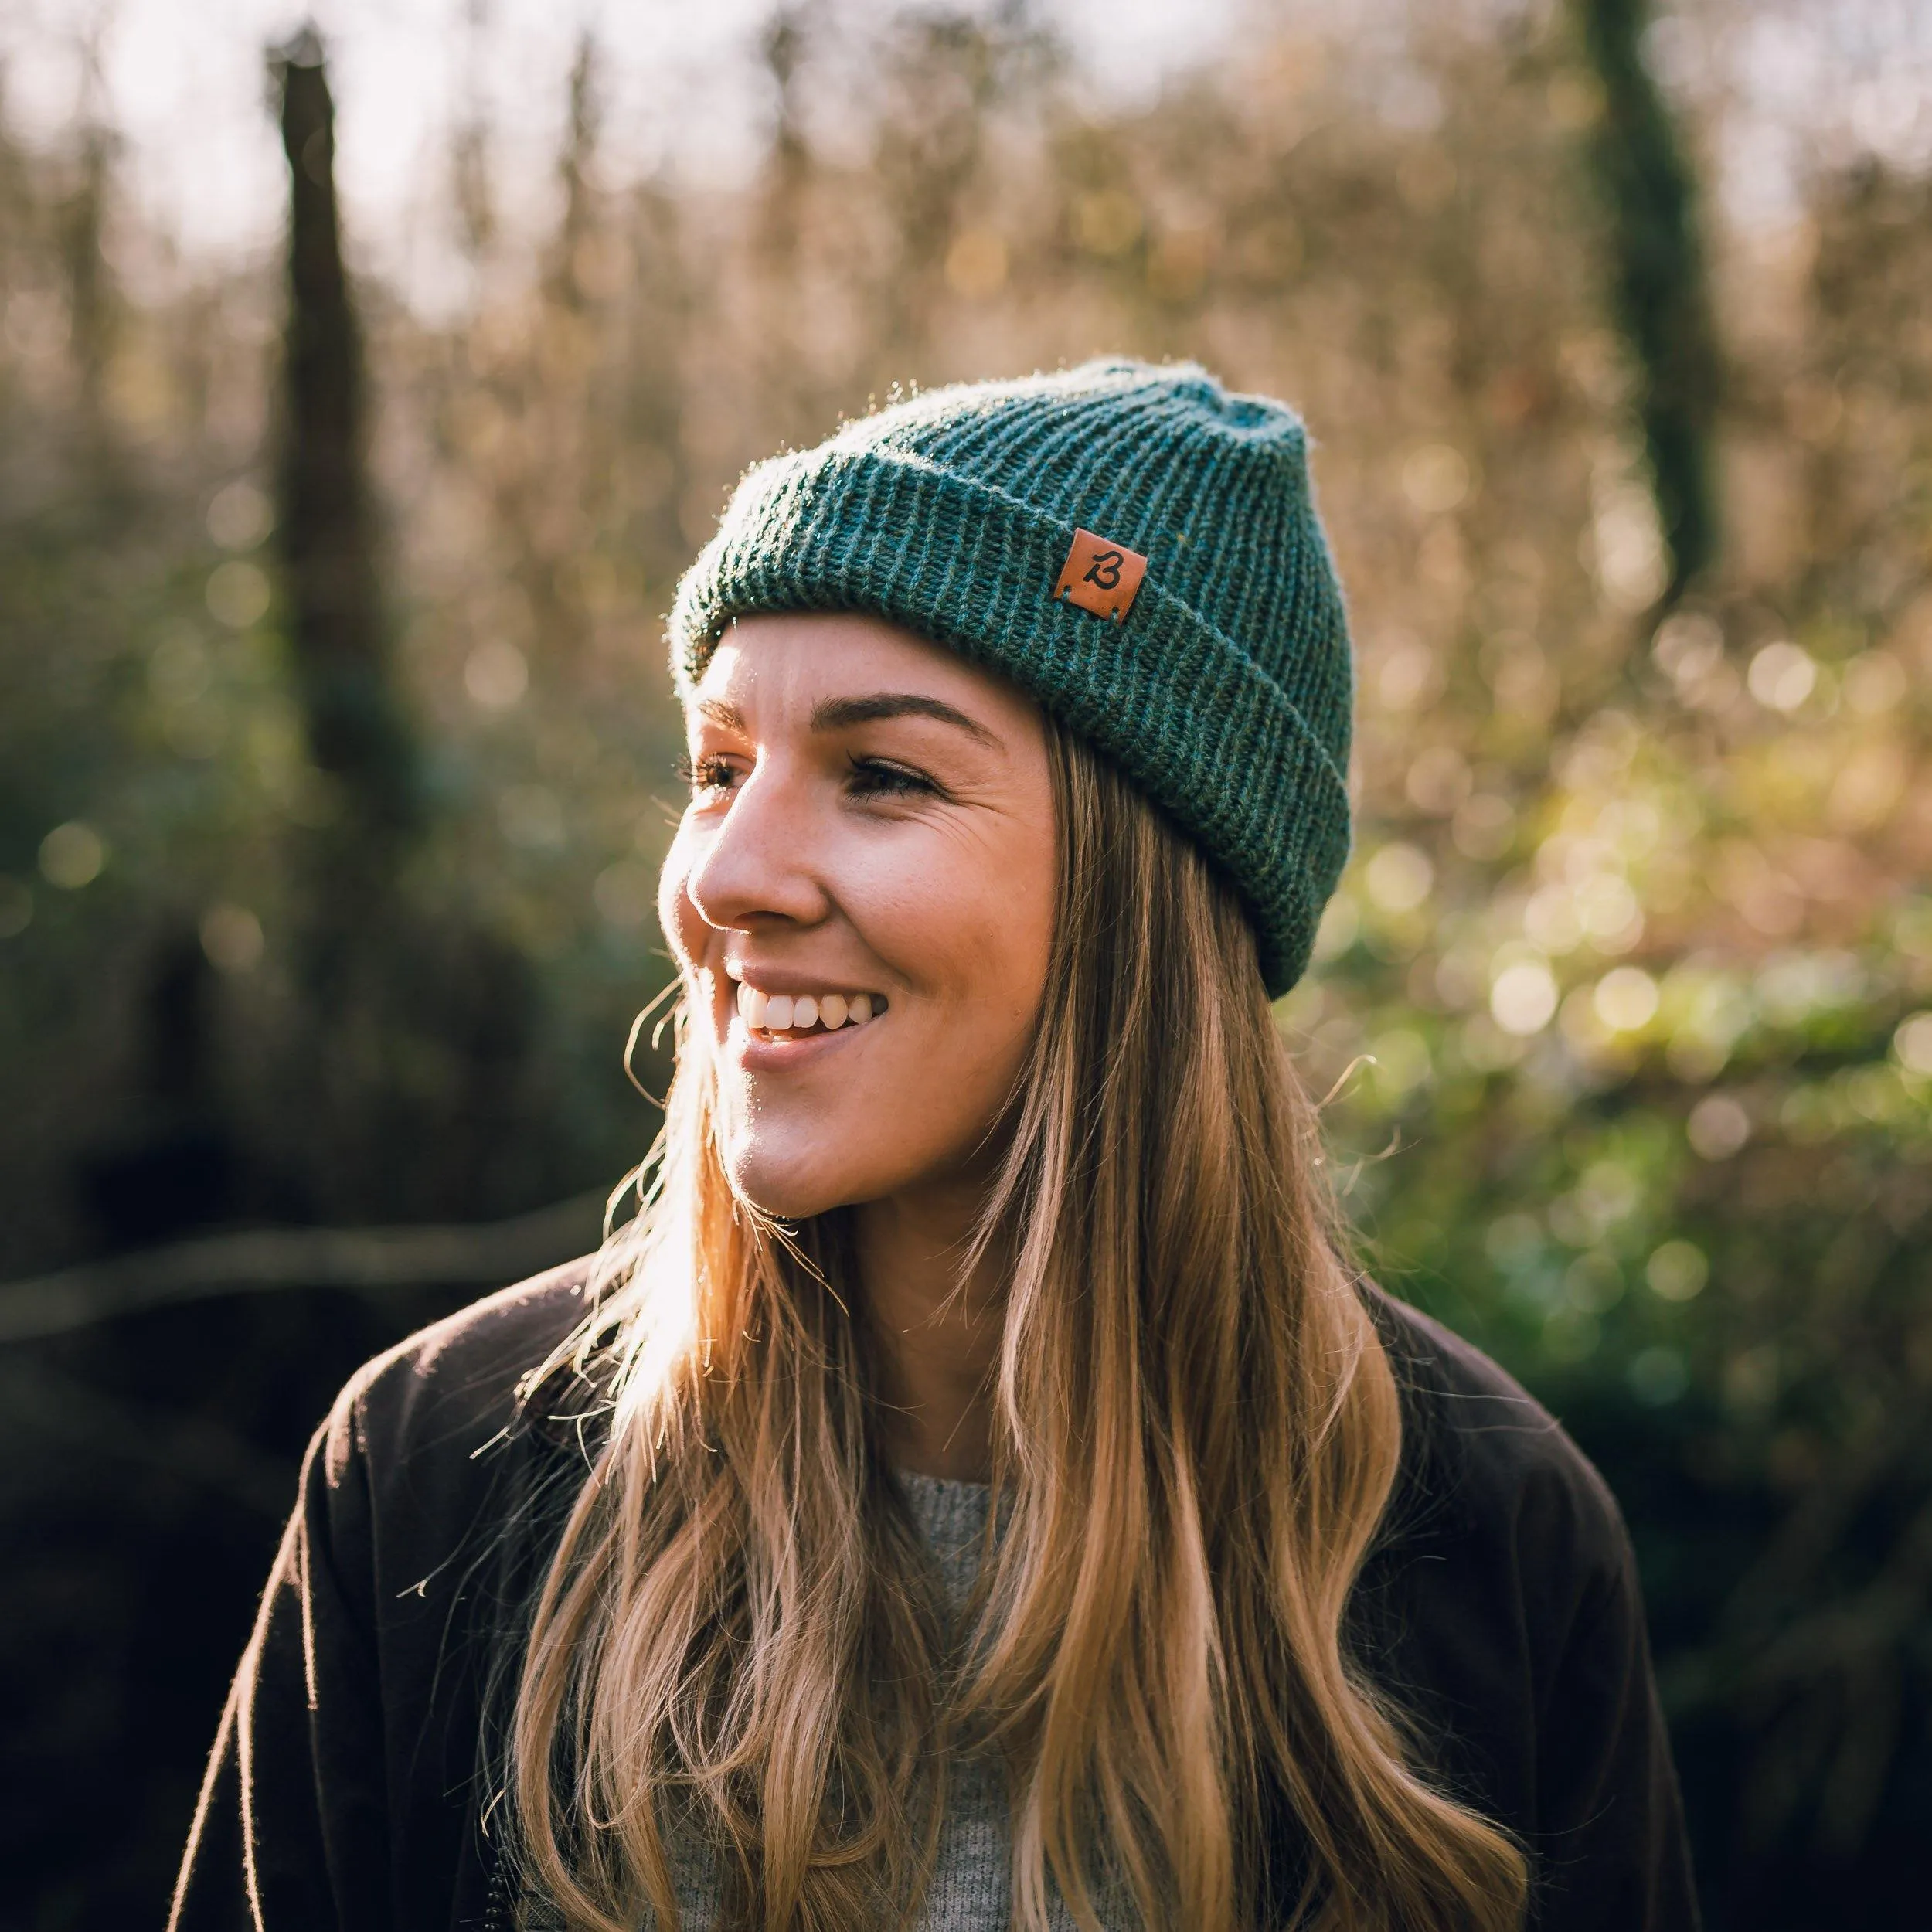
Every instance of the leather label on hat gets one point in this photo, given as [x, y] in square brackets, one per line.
[1100, 576]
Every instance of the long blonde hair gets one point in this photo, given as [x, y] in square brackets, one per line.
[738, 1644]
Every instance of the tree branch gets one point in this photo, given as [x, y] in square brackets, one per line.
[248, 1262]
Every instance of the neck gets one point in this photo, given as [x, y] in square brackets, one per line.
[938, 1336]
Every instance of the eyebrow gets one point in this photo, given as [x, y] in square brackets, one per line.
[838, 714]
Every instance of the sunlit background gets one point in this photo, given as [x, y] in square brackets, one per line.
[1626, 1001]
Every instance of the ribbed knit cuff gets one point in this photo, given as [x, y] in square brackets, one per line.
[1163, 693]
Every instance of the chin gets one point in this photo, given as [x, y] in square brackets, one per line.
[793, 1185]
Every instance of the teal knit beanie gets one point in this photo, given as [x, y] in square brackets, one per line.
[1130, 543]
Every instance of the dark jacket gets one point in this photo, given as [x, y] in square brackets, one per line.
[1502, 1608]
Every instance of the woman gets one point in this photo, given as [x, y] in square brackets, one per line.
[974, 1490]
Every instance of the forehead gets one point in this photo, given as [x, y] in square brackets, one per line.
[774, 664]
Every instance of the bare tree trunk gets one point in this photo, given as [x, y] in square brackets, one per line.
[407, 1047]
[356, 731]
[1660, 294]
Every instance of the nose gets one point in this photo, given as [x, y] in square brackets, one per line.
[753, 865]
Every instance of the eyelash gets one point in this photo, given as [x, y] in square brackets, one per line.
[872, 778]
[708, 774]
[887, 781]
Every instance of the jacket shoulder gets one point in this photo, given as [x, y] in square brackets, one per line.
[449, 1391]
[1484, 1461]
[1507, 1620]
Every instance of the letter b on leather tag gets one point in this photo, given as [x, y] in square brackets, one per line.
[1100, 576]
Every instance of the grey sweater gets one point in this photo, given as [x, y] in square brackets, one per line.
[972, 1885]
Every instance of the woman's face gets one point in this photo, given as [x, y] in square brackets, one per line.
[871, 832]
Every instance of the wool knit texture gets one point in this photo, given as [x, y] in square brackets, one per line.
[1224, 693]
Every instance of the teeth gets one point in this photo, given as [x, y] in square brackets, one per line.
[800, 1012]
[734, 972]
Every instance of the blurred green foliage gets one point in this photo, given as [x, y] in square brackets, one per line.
[1626, 1000]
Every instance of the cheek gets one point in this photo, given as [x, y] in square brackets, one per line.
[682, 927]
[972, 921]
[973, 945]
[986, 1004]
[966, 948]
[990, 935]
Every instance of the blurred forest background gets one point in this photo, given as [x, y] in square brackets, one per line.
[335, 748]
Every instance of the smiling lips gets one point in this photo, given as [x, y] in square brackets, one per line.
[796, 1013]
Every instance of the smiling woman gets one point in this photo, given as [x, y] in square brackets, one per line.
[868, 856]
[976, 1490]
[870, 825]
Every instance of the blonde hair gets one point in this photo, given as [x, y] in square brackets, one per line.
[1197, 1432]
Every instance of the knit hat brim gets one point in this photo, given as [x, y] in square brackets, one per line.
[1161, 692]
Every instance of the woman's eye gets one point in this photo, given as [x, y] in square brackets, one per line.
[871, 778]
[708, 774]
